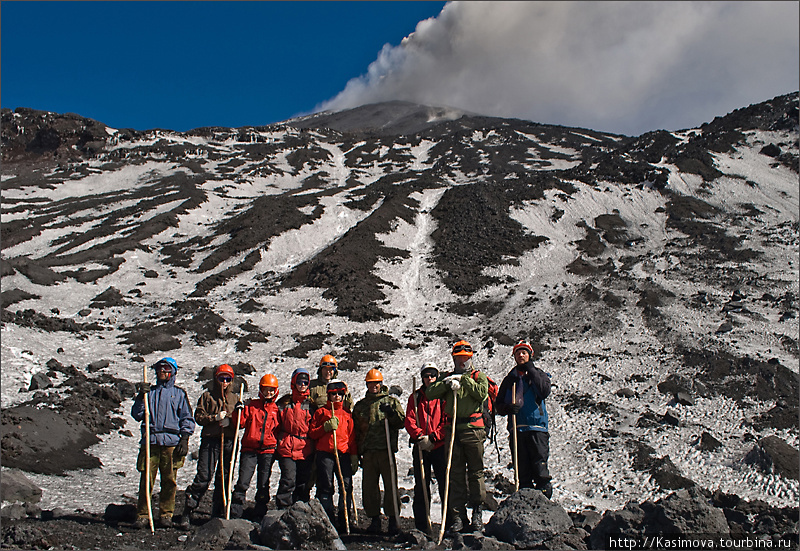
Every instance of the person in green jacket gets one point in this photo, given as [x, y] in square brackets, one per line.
[471, 387]
[370, 415]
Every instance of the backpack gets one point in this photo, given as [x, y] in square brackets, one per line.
[488, 410]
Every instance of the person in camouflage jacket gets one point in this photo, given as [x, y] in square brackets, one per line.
[370, 416]
[471, 388]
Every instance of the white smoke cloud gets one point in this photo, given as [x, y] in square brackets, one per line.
[626, 67]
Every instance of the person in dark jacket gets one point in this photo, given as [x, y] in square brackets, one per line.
[533, 437]
[259, 419]
[371, 415]
[213, 413]
[426, 425]
[171, 425]
[295, 448]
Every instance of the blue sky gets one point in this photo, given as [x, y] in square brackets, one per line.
[182, 65]
[624, 67]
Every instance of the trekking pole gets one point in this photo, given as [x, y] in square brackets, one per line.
[233, 458]
[392, 470]
[514, 438]
[447, 472]
[147, 492]
[421, 463]
[341, 478]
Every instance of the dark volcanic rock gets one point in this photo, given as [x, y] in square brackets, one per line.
[301, 526]
[774, 455]
[527, 519]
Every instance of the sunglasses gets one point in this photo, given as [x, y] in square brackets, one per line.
[462, 348]
[328, 364]
[301, 382]
[429, 375]
[224, 379]
[337, 393]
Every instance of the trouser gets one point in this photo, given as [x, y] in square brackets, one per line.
[375, 465]
[434, 460]
[326, 472]
[533, 451]
[466, 464]
[294, 483]
[161, 460]
[208, 464]
[248, 462]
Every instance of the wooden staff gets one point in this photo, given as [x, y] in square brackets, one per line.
[222, 467]
[392, 470]
[421, 463]
[341, 478]
[514, 438]
[233, 458]
[447, 473]
[147, 493]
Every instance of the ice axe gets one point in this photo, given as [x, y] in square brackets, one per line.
[341, 478]
[514, 436]
[147, 493]
[421, 463]
[447, 472]
[233, 457]
[392, 470]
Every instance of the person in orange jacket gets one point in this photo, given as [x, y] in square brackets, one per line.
[332, 419]
[295, 448]
[259, 418]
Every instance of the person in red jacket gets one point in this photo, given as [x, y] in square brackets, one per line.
[332, 419]
[425, 424]
[295, 448]
[259, 418]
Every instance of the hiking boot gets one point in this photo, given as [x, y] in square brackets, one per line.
[393, 528]
[457, 526]
[141, 522]
[548, 491]
[165, 522]
[477, 519]
[185, 521]
[374, 526]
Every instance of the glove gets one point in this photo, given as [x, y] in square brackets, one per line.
[454, 382]
[331, 424]
[387, 409]
[353, 464]
[238, 407]
[514, 408]
[182, 448]
[221, 415]
[141, 388]
[425, 443]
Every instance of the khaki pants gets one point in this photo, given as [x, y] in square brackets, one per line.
[161, 460]
[466, 466]
[376, 464]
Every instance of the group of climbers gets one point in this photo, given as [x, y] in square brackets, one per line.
[320, 438]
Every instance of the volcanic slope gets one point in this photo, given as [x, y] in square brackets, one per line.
[641, 268]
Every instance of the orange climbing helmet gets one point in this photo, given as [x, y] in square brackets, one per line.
[373, 375]
[462, 348]
[269, 380]
[223, 370]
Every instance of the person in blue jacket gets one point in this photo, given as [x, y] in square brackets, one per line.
[171, 425]
[533, 436]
